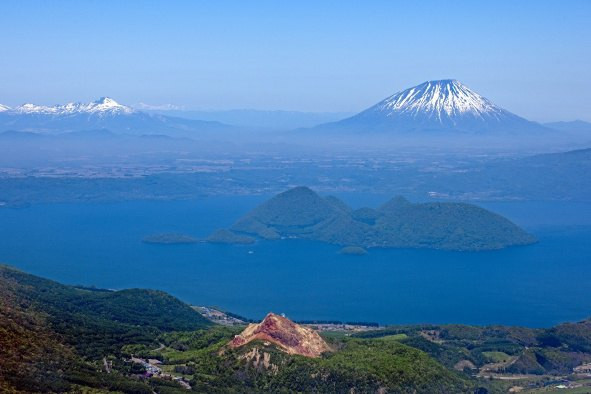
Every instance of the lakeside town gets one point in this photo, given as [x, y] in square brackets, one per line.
[229, 319]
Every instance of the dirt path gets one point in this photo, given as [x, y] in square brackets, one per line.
[107, 366]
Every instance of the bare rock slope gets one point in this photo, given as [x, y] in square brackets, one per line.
[285, 334]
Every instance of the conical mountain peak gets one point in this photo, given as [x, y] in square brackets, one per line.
[443, 97]
[288, 336]
[439, 105]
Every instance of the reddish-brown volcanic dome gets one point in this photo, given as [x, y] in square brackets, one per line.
[287, 335]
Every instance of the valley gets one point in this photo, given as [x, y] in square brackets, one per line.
[414, 174]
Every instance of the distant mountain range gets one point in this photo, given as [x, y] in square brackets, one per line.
[434, 106]
[254, 119]
[104, 113]
[429, 109]
[103, 107]
[575, 126]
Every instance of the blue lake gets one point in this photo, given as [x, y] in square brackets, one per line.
[100, 244]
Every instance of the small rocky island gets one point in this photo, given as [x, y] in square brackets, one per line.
[302, 213]
[353, 250]
[170, 239]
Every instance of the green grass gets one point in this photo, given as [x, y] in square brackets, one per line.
[395, 337]
[496, 357]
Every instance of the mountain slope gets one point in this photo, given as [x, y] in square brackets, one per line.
[104, 113]
[301, 213]
[353, 365]
[435, 106]
[53, 337]
[426, 358]
[95, 321]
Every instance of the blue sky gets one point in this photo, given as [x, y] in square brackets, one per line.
[531, 57]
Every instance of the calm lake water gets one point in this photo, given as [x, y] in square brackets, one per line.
[100, 244]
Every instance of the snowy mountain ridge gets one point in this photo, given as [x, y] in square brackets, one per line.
[103, 114]
[103, 106]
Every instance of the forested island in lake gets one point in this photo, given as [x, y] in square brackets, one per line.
[302, 213]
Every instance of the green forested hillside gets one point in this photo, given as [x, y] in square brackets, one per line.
[49, 331]
[56, 338]
[517, 350]
[95, 321]
[366, 365]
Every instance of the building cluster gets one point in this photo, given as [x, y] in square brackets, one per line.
[153, 369]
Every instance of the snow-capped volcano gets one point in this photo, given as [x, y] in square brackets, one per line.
[438, 99]
[444, 105]
[102, 106]
[4, 108]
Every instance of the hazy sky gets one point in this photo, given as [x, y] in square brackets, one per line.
[531, 57]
